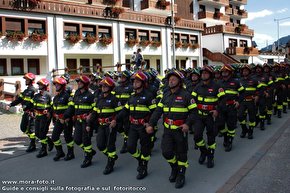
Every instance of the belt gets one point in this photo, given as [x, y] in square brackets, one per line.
[40, 112]
[58, 116]
[230, 102]
[80, 117]
[174, 122]
[105, 121]
[137, 121]
[206, 107]
[203, 113]
[249, 98]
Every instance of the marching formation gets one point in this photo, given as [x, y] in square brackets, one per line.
[189, 101]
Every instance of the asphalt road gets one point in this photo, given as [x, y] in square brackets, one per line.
[27, 173]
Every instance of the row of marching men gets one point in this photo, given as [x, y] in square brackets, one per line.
[211, 99]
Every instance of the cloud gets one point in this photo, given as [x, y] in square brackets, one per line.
[263, 39]
[263, 13]
[287, 23]
[282, 10]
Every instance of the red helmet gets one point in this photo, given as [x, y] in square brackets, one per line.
[140, 76]
[207, 68]
[84, 79]
[108, 82]
[43, 81]
[227, 67]
[175, 73]
[29, 76]
[60, 81]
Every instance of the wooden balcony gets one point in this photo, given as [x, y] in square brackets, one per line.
[239, 2]
[95, 11]
[152, 5]
[218, 3]
[229, 29]
[229, 10]
[218, 57]
[241, 51]
[240, 13]
[211, 15]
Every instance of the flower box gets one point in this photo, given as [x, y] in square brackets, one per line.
[132, 42]
[178, 44]
[162, 4]
[144, 43]
[73, 38]
[90, 39]
[105, 41]
[110, 2]
[217, 15]
[116, 11]
[194, 46]
[155, 43]
[15, 36]
[186, 45]
[38, 37]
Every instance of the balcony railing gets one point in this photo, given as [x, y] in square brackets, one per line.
[229, 10]
[152, 4]
[214, 2]
[229, 28]
[240, 13]
[72, 9]
[240, 2]
[242, 51]
[211, 15]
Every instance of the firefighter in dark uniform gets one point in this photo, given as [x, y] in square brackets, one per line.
[270, 89]
[107, 106]
[228, 115]
[248, 101]
[195, 79]
[79, 109]
[42, 110]
[285, 90]
[139, 108]
[60, 104]
[27, 121]
[123, 93]
[208, 95]
[179, 110]
[263, 95]
[280, 88]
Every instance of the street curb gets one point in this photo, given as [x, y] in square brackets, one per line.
[253, 161]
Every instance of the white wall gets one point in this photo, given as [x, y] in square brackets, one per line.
[213, 42]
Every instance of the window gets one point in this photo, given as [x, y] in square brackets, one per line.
[85, 63]
[193, 39]
[128, 65]
[238, 22]
[88, 30]
[201, 8]
[36, 26]
[243, 43]
[130, 34]
[17, 66]
[71, 29]
[3, 66]
[244, 61]
[158, 66]
[104, 32]
[143, 35]
[13, 25]
[183, 64]
[97, 63]
[233, 43]
[176, 37]
[155, 36]
[33, 66]
[71, 64]
[184, 38]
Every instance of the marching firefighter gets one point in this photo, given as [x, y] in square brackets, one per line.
[139, 108]
[27, 121]
[228, 115]
[60, 104]
[107, 106]
[280, 88]
[79, 109]
[178, 108]
[248, 100]
[42, 110]
[208, 96]
[270, 89]
[123, 93]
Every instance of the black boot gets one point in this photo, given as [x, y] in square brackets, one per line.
[228, 148]
[174, 171]
[50, 144]
[262, 124]
[32, 146]
[124, 147]
[244, 131]
[203, 153]
[42, 151]
[143, 170]
[284, 109]
[279, 114]
[70, 154]
[180, 179]
[268, 119]
[288, 105]
[226, 140]
[59, 153]
[257, 120]
[110, 165]
[250, 132]
[88, 160]
[210, 158]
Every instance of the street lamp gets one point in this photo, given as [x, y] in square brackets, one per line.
[278, 33]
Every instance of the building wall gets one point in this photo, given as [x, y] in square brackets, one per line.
[214, 42]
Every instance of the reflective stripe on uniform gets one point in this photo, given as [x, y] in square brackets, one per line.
[170, 126]
[41, 105]
[132, 108]
[123, 96]
[175, 109]
[60, 107]
[83, 107]
[231, 92]
[147, 158]
[213, 146]
[185, 164]
[250, 89]
[173, 160]
[200, 143]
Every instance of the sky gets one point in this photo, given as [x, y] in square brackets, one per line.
[261, 15]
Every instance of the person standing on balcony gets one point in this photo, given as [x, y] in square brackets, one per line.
[139, 59]
[27, 121]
